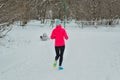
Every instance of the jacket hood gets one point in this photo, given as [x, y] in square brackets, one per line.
[58, 26]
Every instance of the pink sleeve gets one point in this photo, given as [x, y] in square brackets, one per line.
[52, 35]
[65, 34]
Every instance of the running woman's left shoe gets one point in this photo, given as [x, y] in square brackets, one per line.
[55, 64]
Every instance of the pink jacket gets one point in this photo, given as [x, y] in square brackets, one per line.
[59, 34]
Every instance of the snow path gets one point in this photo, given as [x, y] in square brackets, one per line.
[88, 56]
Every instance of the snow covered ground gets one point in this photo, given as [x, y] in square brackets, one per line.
[90, 54]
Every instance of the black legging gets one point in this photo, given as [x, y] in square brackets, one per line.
[59, 53]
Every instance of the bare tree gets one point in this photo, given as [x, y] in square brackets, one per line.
[25, 10]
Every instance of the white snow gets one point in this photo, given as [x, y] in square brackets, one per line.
[90, 54]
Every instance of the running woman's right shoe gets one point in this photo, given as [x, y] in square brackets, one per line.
[60, 68]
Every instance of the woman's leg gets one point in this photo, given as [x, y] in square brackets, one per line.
[62, 48]
[57, 53]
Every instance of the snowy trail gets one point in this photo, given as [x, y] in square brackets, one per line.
[88, 56]
[94, 55]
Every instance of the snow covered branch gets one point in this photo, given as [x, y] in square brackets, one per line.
[4, 29]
